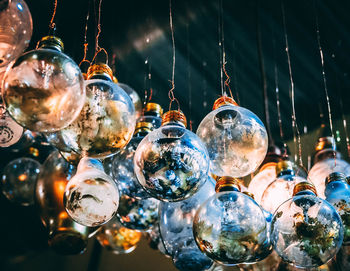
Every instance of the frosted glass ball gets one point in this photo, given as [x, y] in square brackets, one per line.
[91, 197]
[306, 231]
[16, 30]
[171, 163]
[236, 140]
[44, 90]
[18, 180]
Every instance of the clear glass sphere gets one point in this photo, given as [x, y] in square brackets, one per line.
[105, 124]
[306, 231]
[236, 140]
[176, 221]
[44, 90]
[138, 214]
[118, 239]
[91, 197]
[135, 98]
[18, 180]
[322, 169]
[231, 229]
[171, 163]
[155, 240]
[279, 191]
[16, 30]
[10, 131]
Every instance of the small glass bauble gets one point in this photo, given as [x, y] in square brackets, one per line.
[171, 163]
[135, 98]
[118, 239]
[91, 197]
[16, 30]
[18, 180]
[235, 137]
[44, 90]
[10, 131]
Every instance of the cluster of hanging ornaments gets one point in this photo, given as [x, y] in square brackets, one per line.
[123, 173]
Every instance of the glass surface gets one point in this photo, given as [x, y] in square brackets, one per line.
[135, 98]
[91, 197]
[231, 229]
[306, 231]
[44, 90]
[236, 140]
[171, 163]
[10, 131]
[18, 180]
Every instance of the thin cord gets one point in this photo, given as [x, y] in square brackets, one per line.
[292, 94]
[52, 25]
[99, 49]
[86, 44]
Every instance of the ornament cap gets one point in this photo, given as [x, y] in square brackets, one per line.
[266, 165]
[115, 80]
[224, 100]
[100, 70]
[174, 116]
[153, 108]
[249, 194]
[143, 127]
[51, 42]
[324, 143]
[335, 176]
[284, 165]
[303, 186]
[227, 183]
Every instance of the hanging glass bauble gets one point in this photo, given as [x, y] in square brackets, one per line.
[10, 131]
[281, 189]
[118, 239]
[65, 235]
[44, 90]
[171, 163]
[235, 137]
[107, 121]
[230, 227]
[135, 98]
[155, 240]
[152, 113]
[91, 197]
[338, 194]
[138, 214]
[16, 30]
[176, 221]
[306, 230]
[18, 180]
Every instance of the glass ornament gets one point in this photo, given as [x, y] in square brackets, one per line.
[230, 227]
[176, 221]
[135, 98]
[338, 194]
[107, 121]
[137, 214]
[155, 240]
[171, 163]
[18, 180]
[16, 30]
[27, 139]
[152, 113]
[91, 197]
[118, 239]
[235, 137]
[306, 231]
[10, 131]
[44, 90]
[281, 189]
[66, 236]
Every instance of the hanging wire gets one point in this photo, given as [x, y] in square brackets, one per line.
[297, 138]
[99, 49]
[86, 44]
[171, 91]
[52, 24]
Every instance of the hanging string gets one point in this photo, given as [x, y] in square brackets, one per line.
[52, 24]
[99, 49]
[86, 44]
[297, 139]
[171, 91]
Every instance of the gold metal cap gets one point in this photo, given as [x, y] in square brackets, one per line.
[174, 116]
[153, 107]
[249, 194]
[143, 127]
[284, 165]
[115, 80]
[52, 42]
[100, 69]
[84, 75]
[335, 176]
[223, 100]
[323, 143]
[302, 186]
[272, 164]
[225, 182]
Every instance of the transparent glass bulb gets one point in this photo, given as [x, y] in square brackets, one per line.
[155, 240]
[176, 221]
[306, 231]
[65, 235]
[138, 214]
[91, 197]
[231, 229]
[18, 180]
[105, 124]
[135, 98]
[323, 168]
[171, 163]
[10, 131]
[279, 191]
[16, 30]
[118, 239]
[27, 139]
[44, 90]
[236, 140]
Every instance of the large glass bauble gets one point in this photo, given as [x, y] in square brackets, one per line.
[236, 140]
